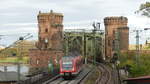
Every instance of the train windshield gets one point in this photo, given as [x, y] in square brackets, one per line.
[67, 64]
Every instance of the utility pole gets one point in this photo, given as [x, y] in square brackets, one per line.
[94, 31]
[83, 44]
[66, 45]
[116, 43]
[137, 47]
[96, 28]
[21, 39]
[116, 55]
[19, 57]
[85, 47]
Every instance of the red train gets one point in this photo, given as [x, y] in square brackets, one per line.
[70, 65]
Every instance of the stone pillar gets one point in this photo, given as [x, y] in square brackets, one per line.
[50, 40]
[124, 38]
[111, 26]
[50, 30]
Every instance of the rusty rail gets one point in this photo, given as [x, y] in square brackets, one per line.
[106, 76]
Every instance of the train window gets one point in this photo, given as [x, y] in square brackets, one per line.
[67, 65]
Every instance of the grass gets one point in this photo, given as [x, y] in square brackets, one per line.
[91, 79]
[13, 60]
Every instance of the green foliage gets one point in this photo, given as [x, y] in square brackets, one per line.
[19, 49]
[145, 9]
[145, 5]
[147, 47]
[141, 69]
[19, 52]
[8, 53]
[14, 60]
[137, 70]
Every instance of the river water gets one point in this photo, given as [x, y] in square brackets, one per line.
[24, 69]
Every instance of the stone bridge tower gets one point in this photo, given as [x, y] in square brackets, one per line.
[50, 30]
[113, 25]
[50, 36]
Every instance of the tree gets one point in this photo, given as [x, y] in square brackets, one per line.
[144, 9]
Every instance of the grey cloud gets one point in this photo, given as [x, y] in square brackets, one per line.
[25, 11]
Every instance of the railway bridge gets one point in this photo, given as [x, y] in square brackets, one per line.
[94, 45]
[54, 42]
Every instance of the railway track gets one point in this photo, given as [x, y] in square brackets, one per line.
[76, 80]
[106, 75]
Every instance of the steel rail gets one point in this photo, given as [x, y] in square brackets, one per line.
[105, 77]
[76, 80]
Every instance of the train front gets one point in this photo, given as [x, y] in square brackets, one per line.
[67, 67]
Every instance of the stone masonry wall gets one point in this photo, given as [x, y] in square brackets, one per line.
[41, 58]
[111, 26]
[50, 40]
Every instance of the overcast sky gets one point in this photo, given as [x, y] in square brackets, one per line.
[20, 16]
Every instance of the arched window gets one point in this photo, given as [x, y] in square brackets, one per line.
[37, 61]
[30, 60]
[46, 40]
[46, 30]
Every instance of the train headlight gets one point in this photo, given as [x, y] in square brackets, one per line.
[73, 69]
[60, 70]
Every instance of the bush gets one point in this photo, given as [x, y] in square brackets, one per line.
[136, 69]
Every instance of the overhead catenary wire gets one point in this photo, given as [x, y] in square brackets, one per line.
[18, 41]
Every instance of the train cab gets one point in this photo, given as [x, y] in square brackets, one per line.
[70, 66]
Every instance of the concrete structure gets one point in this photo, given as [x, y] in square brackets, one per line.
[112, 26]
[49, 45]
[10, 77]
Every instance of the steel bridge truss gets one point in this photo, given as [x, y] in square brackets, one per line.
[88, 43]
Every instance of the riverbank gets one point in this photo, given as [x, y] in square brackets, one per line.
[24, 69]
[14, 60]
[10, 64]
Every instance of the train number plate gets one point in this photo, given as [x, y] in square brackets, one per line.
[67, 74]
